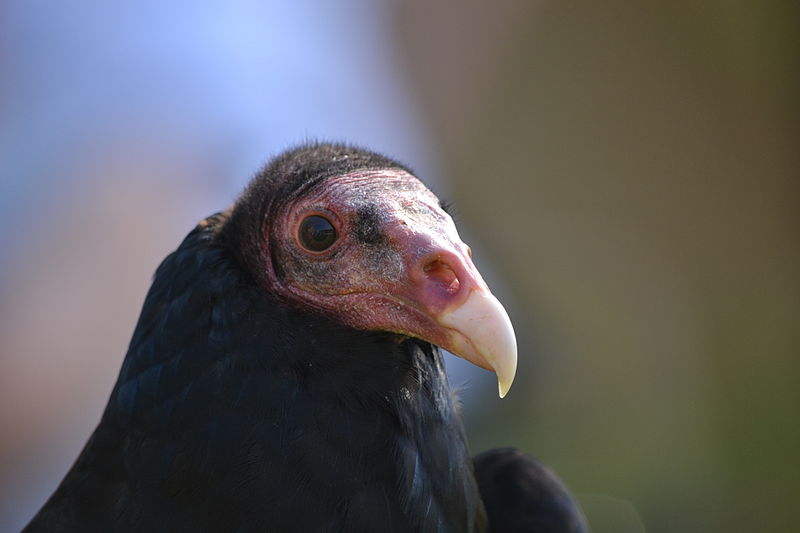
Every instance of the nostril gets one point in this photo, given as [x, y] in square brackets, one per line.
[440, 273]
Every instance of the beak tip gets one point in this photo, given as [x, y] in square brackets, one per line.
[504, 382]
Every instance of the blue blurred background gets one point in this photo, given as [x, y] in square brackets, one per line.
[626, 174]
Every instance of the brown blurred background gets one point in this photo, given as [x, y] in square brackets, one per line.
[628, 172]
[635, 167]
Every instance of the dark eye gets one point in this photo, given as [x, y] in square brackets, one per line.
[316, 233]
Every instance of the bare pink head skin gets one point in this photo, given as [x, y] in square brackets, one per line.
[397, 265]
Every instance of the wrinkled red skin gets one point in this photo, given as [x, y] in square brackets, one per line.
[398, 262]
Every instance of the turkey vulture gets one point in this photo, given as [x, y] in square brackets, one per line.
[285, 375]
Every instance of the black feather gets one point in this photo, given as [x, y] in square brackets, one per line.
[446, 206]
[521, 494]
[233, 412]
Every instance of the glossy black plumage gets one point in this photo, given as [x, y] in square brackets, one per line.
[236, 410]
[205, 433]
[521, 494]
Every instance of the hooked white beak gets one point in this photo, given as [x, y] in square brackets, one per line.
[481, 333]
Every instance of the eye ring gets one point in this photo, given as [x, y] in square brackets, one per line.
[316, 233]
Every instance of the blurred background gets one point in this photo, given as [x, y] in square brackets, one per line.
[627, 174]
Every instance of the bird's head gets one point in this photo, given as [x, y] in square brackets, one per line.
[357, 236]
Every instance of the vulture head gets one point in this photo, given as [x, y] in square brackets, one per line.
[358, 237]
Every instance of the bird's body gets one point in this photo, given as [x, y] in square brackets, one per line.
[336, 430]
[249, 402]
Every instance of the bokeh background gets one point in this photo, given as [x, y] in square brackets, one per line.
[626, 172]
